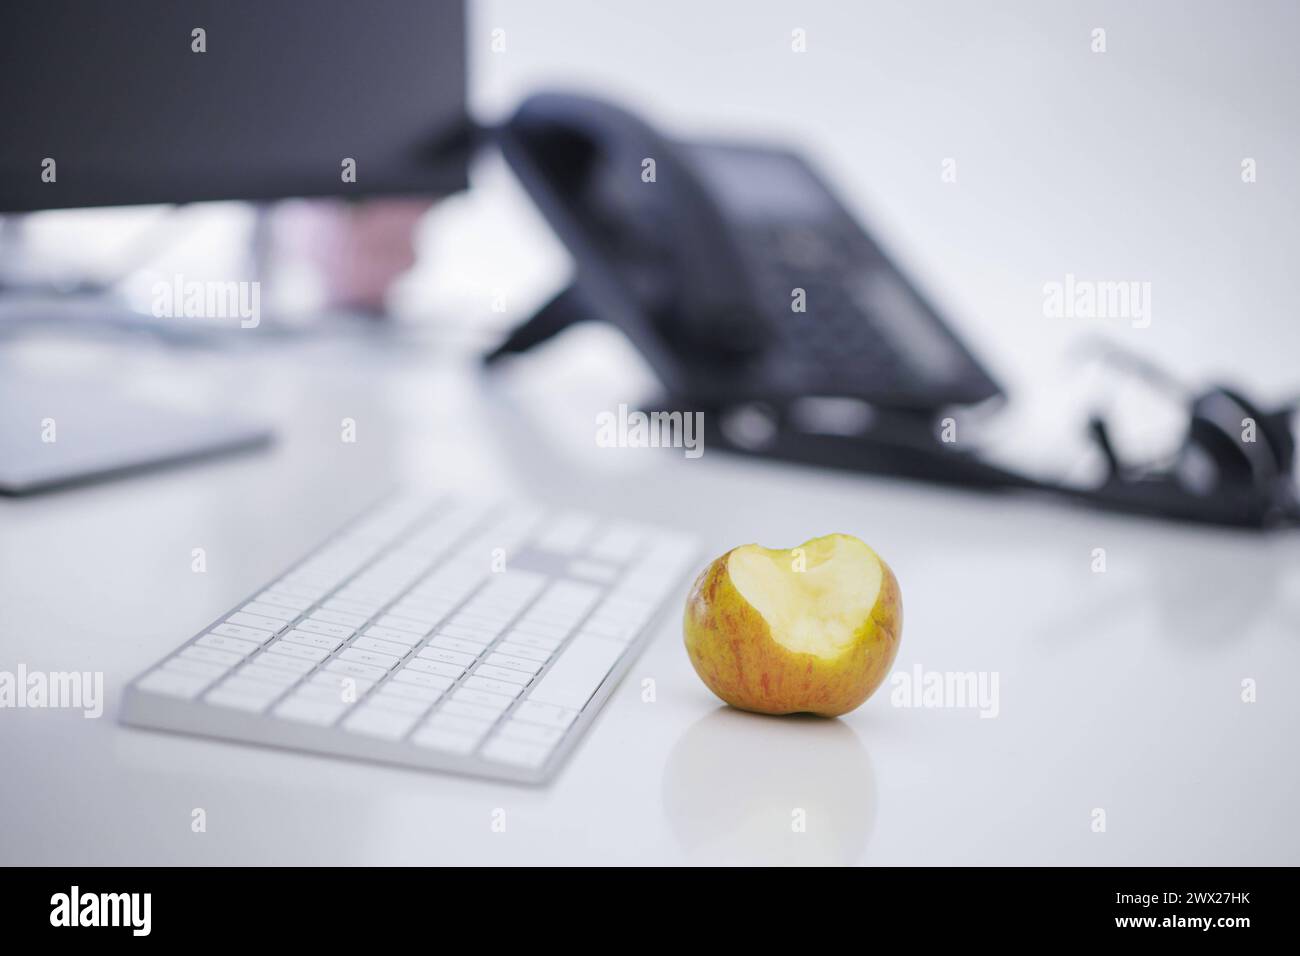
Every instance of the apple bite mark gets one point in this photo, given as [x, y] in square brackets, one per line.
[815, 598]
[811, 630]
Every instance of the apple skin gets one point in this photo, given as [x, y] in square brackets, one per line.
[731, 648]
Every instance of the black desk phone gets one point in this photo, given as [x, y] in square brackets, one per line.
[750, 290]
[733, 268]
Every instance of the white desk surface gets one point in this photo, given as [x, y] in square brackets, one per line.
[1118, 691]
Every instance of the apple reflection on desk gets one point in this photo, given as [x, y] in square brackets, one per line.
[749, 789]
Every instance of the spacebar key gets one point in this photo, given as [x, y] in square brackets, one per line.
[578, 672]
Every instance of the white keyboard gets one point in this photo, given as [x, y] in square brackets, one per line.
[438, 634]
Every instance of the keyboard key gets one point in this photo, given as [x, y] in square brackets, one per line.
[456, 644]
[182, 665]
[295, 589]
[286, 648]
[408, 676]
[343, 685]
[469, 695]
[538, 734]
[270, 610]
[356, 669]
[507, 674]
[173, 684]
[284, 662]
[328, 695]
[272, 675]
[436, 592]
[468, 726]
[380, 722]
[235, 701]
[322, 580]
[617, 632]
[318, 641]
[243, 694]
[574, 594]
[308, 711]
[257, 621]
[312, 625]
[412, 691]
[391, 648]
[426, 620]
[419, 607]
[211, 655]
[407, 705]
[516, 752]
[243, 633]
[397, 637]
[284, 600]
[355, 592]
[378, 592]
[373, 658]
[535, 628]
[547, 715]
[435, 667]
[491, 686]
[532, 640]
[574, 677]
[463, 709]
[479, 635]
[232, 644]
[367, 609]
[446, 656]
[444, 740]
[535, 654]
[404, 624]
[520, 664]
[548, 623]
[353, 621]
[481, 619]
[632, 621]
[415, 615]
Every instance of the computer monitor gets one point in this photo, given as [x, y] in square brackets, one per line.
[154, 101]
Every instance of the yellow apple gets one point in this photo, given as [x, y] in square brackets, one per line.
[810, 630]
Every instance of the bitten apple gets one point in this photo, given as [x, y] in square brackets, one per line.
[813, 629]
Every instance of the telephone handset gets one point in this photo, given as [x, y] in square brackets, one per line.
[732, 267]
